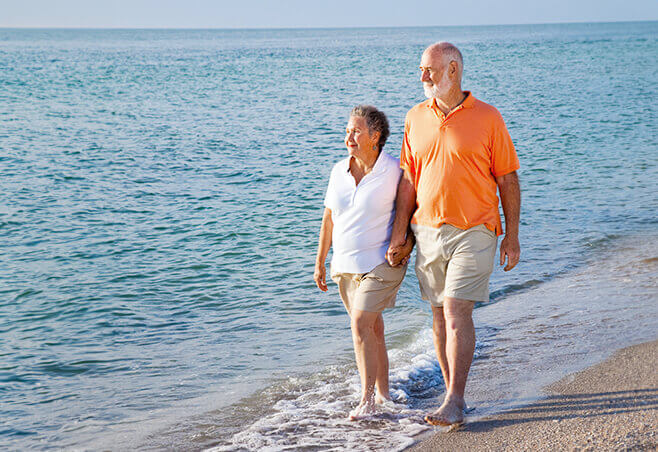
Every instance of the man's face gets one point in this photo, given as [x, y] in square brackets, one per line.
[434, 75]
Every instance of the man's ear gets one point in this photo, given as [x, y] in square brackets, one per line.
[453, 68]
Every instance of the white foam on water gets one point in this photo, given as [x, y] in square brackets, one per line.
[318, 418]
[525, 341]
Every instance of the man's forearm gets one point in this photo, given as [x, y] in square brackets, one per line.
[405, 205]
[510, 197]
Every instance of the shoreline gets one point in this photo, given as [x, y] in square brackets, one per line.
[612, 405]
[527, 340]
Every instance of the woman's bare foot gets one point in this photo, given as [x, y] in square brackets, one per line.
[382, 399]
[451, 412]
[365, 409]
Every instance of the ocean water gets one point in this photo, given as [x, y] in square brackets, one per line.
[160, 199]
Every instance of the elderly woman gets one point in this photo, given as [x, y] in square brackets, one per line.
[358, 217]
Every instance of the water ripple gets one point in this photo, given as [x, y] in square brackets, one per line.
[160, 204]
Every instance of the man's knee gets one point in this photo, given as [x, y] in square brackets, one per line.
[457, 313]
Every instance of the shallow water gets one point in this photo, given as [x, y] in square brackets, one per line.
[160, 198]
[525, 341]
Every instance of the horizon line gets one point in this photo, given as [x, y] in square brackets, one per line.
[325, 27]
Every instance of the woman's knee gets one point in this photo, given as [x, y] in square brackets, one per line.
[363, 324]
[379, 327]
[438, 321]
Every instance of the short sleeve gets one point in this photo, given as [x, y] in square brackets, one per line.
[330, 195]
[503, 155]
[407, 162]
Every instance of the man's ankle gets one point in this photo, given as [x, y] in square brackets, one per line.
[455, 398]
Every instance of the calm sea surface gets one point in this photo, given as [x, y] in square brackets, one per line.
[160, 200]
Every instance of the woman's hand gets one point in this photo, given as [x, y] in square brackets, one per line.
[319, 276]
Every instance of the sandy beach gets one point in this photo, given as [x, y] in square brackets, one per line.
[610, 406]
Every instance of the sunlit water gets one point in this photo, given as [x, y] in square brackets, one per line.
[160, 199]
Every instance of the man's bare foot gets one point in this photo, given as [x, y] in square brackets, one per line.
[450, 413]
[465, 408]
[365, 409]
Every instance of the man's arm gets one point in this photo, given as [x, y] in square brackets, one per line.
[405, 205]
[510, 197]
[324, 243]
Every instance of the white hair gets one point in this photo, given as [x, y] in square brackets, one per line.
[449, 53]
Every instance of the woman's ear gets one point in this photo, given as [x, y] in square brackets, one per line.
[376, 136]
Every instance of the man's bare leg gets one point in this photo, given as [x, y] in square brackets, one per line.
[460, 346]
[366, 352]
[381, 383]
[439, 337]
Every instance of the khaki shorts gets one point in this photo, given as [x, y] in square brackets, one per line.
[373, 291]
[453, 262]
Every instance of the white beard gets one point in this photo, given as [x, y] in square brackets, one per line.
[439, 90]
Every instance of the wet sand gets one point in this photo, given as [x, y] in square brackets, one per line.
[610, 406]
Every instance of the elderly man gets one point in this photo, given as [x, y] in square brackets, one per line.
[456, 153]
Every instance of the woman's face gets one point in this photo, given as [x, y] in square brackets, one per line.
[358, 139]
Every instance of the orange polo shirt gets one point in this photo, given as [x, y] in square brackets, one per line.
[454, 159]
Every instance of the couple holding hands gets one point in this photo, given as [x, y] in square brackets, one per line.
[441, 196]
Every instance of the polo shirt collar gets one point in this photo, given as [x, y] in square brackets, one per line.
[378, 167]
[468, 102]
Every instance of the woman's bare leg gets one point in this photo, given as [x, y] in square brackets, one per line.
[366, 353]
[382, 369]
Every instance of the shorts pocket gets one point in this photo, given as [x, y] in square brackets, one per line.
[386, 274]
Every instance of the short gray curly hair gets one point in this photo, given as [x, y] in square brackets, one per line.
[375, 120]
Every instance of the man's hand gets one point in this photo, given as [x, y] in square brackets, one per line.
[510, 249]
[510, 197]
[319, 276]
[397, 255]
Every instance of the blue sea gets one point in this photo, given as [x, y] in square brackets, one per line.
[160, 202]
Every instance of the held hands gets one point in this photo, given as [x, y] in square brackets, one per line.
[320, 277]
[510, 249]
[398, 255]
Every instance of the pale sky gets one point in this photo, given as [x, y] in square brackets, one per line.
[313, 13]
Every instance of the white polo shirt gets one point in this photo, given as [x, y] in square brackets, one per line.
[362, 215]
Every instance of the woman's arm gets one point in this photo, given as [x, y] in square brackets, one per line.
[324, 244]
